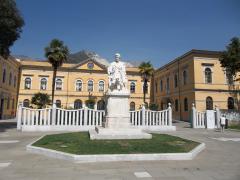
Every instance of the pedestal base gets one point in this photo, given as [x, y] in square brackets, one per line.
[112, 133]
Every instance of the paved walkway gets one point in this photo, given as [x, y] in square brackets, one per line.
[220, 160]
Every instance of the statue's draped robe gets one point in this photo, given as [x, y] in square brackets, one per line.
[117, 75]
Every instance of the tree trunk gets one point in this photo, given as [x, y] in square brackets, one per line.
[53, 83]
[144, 91]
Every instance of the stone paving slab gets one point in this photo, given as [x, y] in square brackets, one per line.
[219, 161]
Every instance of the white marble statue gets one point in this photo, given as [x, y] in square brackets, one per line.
[117, 75]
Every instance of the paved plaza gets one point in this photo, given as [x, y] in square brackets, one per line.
[220, 160]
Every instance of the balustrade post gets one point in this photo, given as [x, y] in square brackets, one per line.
[143, 115]
[54, 111]
[218, 113]
[19, 116]
[193, 116]
[169, 114]
[85, 115]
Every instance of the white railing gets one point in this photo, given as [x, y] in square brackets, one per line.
[152, 120]
[57, 119]
[205, 119]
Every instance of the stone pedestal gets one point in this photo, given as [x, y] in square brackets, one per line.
[117, 120]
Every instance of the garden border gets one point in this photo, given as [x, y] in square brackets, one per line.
[115, 157]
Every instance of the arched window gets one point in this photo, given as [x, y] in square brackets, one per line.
[90, 104]
[90, 85]
[209, 103]
[4, 76]
[230, 103]
[77, 104]
[26, 103]
[58, 103]
[185, 77]
[43, 84]
[79, 85]
[10, 79]
[175, 81]
[28, 83]
[185, 104]
[208, 75]
[101, 86]
[161, 85]
[176, 105]
[15, 81]
[58, 84]
[132, 106]
[101, 105]
[132, 87]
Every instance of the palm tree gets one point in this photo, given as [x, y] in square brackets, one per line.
[56, 53]
[146, 69]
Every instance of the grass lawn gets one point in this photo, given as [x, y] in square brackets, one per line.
[234, 126]
[80, 143]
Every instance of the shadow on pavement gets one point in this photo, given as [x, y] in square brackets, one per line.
[7, 124]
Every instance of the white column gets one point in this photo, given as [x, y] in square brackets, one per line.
[85, 115]
[19, 116]
[193, 116]
[169, 114]
[143, 115]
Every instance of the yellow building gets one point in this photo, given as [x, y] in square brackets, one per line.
[195, 77]
[9, 74]
[76, 84]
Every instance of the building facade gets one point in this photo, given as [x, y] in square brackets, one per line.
[76, 85]
[9, 71]
[195, 77]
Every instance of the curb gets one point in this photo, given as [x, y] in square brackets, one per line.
[115, 157]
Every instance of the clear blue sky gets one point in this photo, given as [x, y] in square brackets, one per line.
[152, 30]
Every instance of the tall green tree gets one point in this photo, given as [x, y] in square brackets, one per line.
[56, 53]
[146, 69]
[40, 100]
[230, 58]
[11, 23]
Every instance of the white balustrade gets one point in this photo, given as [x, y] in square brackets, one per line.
[152, 120]
[57, 119]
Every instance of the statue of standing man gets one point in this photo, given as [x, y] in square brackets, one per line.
[117, 75]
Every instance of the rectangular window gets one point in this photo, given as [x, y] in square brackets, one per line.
[175, 80]
[161, 85]
[168, 86]
[58, 84]
[176, 105]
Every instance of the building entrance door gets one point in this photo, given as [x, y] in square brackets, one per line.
[1, 108]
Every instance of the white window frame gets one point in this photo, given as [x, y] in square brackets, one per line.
[92, 85]
[25, 83]
[56, 84]
[204, 78]
[99, 85]
[76, 85]
[134, 86]
[41, 83]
